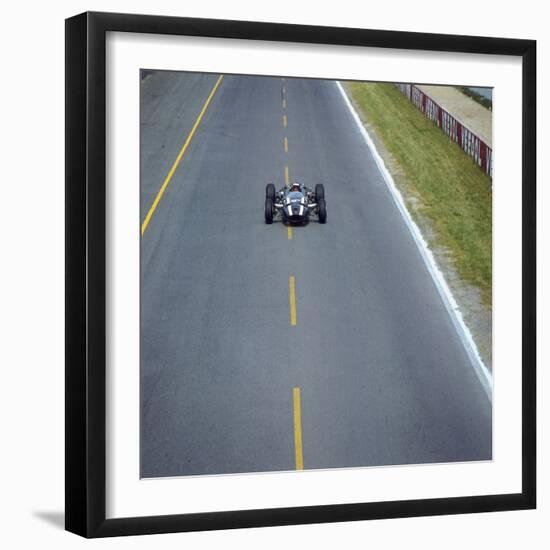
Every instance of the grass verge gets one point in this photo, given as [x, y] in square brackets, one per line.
[442, 183]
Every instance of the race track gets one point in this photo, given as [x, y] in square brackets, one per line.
[373, 371]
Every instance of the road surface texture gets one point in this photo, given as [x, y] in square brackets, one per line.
[266, 348]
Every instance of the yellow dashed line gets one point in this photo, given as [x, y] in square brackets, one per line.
[292, 299]
[292, 302]
[298, 429]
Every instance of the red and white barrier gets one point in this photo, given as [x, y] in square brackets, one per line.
[470, 142]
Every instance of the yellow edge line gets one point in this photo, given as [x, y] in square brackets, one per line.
[298, 430]
[178, 158]
[292, 299]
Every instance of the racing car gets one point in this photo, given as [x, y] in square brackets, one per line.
[295, 203]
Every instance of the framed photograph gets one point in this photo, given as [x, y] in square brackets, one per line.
[300, 274]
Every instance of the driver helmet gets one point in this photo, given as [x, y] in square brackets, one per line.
[295, 186]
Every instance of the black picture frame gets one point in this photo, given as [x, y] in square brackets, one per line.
[86, 274]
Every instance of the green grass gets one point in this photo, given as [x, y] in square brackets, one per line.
[448, 189]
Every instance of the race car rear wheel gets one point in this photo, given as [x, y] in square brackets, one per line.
[268, 211]
[322, 205]
[319, 192]
[270, 191]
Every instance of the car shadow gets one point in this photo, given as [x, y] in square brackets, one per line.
[301, 224]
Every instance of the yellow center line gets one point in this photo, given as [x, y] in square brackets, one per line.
[292, 299]
[289, 232]
[284, 102]
[298, 430]
[284, 121]
[286, 145]
[287, 176]
[179, 157]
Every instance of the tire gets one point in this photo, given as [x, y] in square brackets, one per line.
[268, 211]
[322, 205]
[270, 191]
[319, 192]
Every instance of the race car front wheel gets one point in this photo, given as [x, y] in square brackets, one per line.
[319, 192]
[270, 191]
[322, 210]
[268, 211]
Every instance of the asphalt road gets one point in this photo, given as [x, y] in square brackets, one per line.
[382, 375]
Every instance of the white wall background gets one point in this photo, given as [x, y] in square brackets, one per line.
[32, 273]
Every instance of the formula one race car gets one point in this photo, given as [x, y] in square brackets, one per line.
[295, 203]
